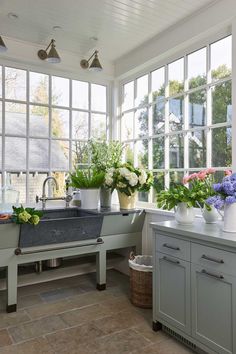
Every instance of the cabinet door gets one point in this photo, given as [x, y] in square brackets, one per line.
[213, 309]
[173, 291]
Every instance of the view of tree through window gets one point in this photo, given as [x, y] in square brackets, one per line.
[182, 123]
[45, 124]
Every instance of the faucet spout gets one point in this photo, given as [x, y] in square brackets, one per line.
[44, 198]
[45, 182]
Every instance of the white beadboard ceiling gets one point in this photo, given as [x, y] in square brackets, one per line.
[120, 25]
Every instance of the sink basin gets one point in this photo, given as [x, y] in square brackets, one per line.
[51, 214]
[61, 225]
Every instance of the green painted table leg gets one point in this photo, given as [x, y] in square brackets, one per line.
[101, 269]
[12, 287]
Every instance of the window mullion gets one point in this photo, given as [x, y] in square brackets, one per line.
[3, 127]
[208, 111]
[186, 115]
[167, 138]
[70, 124]
[50, 128]
[27, 133]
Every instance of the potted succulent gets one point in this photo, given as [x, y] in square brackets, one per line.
[179, 198]
[88, 181]
[128, 180]
[104, 156]
[225, 198]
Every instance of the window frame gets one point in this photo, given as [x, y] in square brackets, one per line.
[3, 100]
[207, 42]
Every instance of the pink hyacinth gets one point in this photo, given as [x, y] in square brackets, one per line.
[228, 172]
[202, 175]
[209, 171]
[185, 179]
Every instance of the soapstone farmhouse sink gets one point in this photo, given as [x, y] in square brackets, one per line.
[61, 225]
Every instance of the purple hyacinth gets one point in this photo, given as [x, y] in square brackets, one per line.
[217, 187]
[228, 188]
[230, 199]
[216, 200]
[233, 177]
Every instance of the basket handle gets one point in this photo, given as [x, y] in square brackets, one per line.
[131, 256]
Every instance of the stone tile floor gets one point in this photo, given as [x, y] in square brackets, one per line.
[69, 316]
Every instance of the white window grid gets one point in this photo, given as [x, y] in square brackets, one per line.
[186, 130]
[49, 171]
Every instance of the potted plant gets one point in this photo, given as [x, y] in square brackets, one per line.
[225, 198]
[128, 180]
[88, 182]
[180, 199]
[201, 187]
[104, 156]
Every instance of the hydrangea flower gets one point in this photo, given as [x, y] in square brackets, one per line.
[230, 200]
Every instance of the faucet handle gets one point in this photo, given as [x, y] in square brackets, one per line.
[37, 198]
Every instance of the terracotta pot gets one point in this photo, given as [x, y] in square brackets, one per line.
[127, 202]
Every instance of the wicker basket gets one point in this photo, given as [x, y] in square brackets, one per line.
[140, 285]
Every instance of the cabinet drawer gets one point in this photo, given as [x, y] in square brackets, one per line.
[173, 246]
[209, 257]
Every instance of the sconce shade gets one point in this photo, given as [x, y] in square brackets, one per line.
[3, 47]
[95, 65]
[53, 56]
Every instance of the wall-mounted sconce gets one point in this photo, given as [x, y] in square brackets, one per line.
[94, 66]
[52, 56]
[3, 47]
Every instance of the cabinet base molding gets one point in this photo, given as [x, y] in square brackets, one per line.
[11, 308]
[156, 326]
[101, 287]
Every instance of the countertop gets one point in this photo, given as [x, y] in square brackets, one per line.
[115, 210]
[199, 230]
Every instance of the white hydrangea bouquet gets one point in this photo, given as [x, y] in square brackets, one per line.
[128, 179]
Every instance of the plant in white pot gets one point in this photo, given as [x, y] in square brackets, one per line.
[104, 156]
[225, 198]
[128, 180]
[180, 199]
[201, 186]
[88, 182]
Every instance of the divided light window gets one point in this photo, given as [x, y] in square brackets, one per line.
[45, 124]
[177, 119]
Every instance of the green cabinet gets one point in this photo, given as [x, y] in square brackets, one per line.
[173, 282]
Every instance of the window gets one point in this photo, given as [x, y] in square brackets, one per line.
[45, 123]
[177, 118]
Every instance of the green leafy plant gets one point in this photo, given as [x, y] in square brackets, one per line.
[168, 199]
[105, 154]
[128, 179]
[200, 185]
[23, 215]
[87, 179]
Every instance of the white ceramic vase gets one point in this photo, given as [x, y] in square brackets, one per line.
[183, 214]
[89, 198]
[210, 216]
[229, 218]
